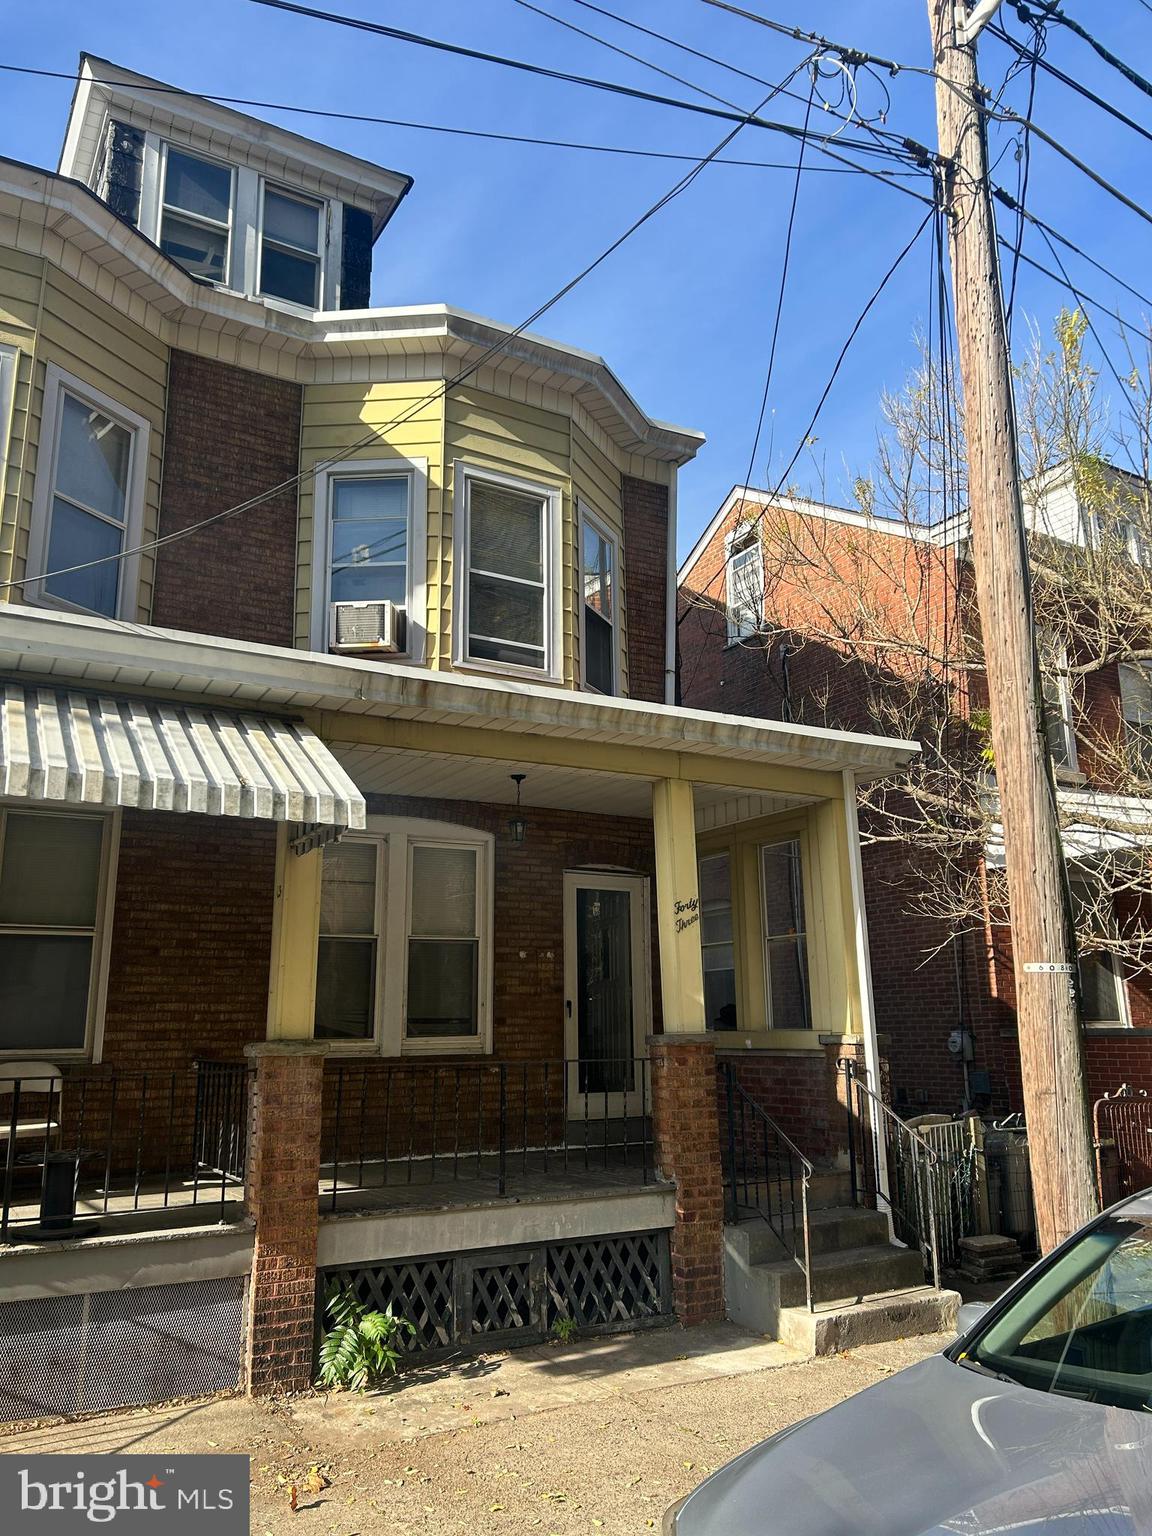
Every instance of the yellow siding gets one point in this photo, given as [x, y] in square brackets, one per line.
[58, 321]
[336, 416]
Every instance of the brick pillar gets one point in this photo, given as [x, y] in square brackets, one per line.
[686, 1130]
[282, 1199]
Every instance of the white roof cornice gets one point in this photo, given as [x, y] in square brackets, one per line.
[43, 204]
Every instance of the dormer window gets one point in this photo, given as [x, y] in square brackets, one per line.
[291, 231]
[196, 214]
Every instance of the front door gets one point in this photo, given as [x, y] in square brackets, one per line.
[607, 991]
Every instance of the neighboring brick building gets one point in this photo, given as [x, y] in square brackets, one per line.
[767, 598]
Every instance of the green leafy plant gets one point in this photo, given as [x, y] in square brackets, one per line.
[564, 1330]
[361, 1346]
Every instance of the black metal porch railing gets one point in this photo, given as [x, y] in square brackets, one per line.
[766, 1174]
[892, 1168]
[106, 1144]
[508, 1125]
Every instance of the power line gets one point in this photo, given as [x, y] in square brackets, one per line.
[849, 54]
[910, 149]
[1073, 84]
[1016, 207]
[442, 389]
[468, 133]
[1056, 14]
[827, 390]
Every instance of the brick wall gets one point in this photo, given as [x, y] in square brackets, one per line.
[645, 509]
[191, 939]
[230, 434]
[797, 1089]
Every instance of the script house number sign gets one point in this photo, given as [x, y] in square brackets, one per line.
[687, 913]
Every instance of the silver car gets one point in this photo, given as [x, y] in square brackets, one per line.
[1037, 1421]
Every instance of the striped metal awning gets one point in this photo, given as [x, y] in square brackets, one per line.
[90, 750]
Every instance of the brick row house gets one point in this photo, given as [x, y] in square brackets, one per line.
[349, 827]
[756, 638]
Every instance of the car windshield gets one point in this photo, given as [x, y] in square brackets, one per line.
[1083, 1328]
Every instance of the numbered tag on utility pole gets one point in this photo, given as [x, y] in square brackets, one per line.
[1049, 967]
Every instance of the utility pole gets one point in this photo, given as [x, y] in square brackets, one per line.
[1051, 1056]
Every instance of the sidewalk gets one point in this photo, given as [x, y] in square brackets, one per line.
[593, 1437]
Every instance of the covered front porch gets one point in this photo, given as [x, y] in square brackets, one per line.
[487, 974]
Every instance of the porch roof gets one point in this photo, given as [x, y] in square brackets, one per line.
[84, 749]
[113, 656]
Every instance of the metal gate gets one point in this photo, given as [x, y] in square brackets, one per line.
[1122, 1133]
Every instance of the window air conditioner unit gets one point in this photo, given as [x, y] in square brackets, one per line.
[365, 627]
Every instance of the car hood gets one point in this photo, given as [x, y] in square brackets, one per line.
[938, 1450]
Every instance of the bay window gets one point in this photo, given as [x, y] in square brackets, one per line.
[87, 508]
[506, 549]
[403, 963]
[598, 558]
[53, 875]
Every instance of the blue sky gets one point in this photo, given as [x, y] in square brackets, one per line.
[683, 312]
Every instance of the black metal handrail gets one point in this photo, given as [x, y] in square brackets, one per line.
[892, 1166]
[766, 1172]
[120, 1142]
[391, 1123]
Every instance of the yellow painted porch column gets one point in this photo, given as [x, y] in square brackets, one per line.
[295, 933]
[678, 907]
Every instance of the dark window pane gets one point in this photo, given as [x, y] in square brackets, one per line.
[506, 531]
[369, 584]
[51, 870]
[604, 996]
[76, 537]
[783, 891]
[787, 961]
[199, 250]
[442, 988]
[345, 989]
[198, 186]
[599, 661]
[43, 992]
[365, 497]
[380, 539]
[720, 988]
[506, 655]
[92, 459]
[1100, 991]
[348, 889]
[505, 610]
[291, 222]
[284, 276]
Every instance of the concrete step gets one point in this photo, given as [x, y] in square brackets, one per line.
[830, 1230]
[899, 1314]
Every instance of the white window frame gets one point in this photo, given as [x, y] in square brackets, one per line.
[552, 671]
[162, 206]
[393, 920]
[1058, 673]
[1082, 876]
[586, 518]
[1135, 679]
[805, 933]
[57, 384]
[415, 471]
[9, 365]
[741, 541]
[324, 207]
[101, 931]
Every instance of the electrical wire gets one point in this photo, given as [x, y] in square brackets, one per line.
[439, 392]
[815, 40]
[469, 133]
[1033, 61]
[1054, 13]
[613, 87]
[1029, 217]
[806, 434]
[1073, 84]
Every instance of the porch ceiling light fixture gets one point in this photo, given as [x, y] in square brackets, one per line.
[517, 826]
